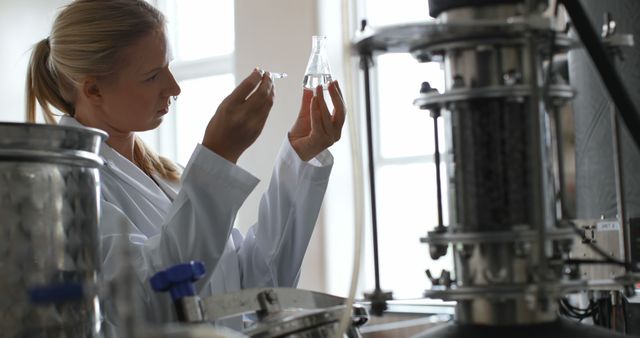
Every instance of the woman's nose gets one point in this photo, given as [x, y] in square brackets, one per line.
[173, 89]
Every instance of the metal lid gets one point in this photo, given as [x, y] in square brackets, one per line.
[291, 321]
[30, 142]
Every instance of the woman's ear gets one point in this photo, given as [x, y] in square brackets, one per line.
[91, 90]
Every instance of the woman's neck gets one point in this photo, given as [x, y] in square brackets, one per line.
[122, 142]
[123, 145]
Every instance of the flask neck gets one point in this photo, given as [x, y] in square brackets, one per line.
[318, 43]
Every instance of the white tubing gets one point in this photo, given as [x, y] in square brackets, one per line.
[356, 162]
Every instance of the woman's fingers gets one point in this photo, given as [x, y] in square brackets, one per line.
[245, 87]
[324, 111]
[257, 106]
[316, 115]
[263, 93]
[338, 106]
[307, 96]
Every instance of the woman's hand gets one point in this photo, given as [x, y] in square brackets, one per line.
[316, 129]
[240, 117]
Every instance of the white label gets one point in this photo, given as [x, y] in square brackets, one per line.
[608, 226]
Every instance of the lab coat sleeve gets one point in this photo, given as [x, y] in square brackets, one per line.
[200, 220]
[272, 251]
[197, 226]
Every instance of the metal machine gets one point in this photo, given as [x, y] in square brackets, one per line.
[266, 313]
[511, 234]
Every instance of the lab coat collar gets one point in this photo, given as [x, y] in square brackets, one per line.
[160, 194]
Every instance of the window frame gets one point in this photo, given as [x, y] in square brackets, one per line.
[380, 161]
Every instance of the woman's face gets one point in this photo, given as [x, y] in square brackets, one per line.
[138, 94]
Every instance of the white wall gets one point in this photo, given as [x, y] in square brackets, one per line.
[22, 24]
[276, 35]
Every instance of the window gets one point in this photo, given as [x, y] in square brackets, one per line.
[404, 160]
[201, 34]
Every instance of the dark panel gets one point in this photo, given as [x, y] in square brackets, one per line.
[594, 156]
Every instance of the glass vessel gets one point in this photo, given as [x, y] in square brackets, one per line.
[318, 71]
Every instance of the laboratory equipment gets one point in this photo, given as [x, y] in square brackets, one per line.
[48, 231]
[287, 312]
[509, 231]
[274, 75]
[318, 71]
[178, 280]
[278, 312]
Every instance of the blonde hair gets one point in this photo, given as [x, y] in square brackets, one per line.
[86, 40]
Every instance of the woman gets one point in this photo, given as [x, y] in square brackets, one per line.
[105, 65]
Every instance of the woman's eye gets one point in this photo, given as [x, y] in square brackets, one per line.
[153, 77]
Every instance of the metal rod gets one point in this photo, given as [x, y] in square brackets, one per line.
[365, 64]
[554, 112]
[559, 150]
[538, 182]
[435, 115]
[619, 182]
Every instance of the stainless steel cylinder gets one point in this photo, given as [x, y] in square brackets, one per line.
[499, 176]
[49, 209]
[502, 167]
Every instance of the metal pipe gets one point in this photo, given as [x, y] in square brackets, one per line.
[538, 212]
[435, 114]
[365, 64]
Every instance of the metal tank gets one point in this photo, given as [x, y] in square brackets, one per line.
[49, 207]
[502, 145]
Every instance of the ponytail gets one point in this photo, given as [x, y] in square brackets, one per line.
[150, 162]
[43, 86]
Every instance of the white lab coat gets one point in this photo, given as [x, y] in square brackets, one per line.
[171, 223]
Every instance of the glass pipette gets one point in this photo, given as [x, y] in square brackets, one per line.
[274, 75]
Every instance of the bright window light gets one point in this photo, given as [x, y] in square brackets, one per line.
[405, 130]
[199, 99]
[201, 28]
[407, 211]
[384, 12]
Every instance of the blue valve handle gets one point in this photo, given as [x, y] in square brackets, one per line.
[56, 293]
[178, 279]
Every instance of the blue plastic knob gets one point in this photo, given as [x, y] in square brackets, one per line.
[178, 279]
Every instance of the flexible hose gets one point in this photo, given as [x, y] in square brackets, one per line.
[356, 167]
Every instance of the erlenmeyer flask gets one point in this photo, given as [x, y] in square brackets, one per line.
[318, 71]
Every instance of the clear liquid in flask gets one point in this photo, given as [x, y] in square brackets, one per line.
[318, 72]
[311, 81]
